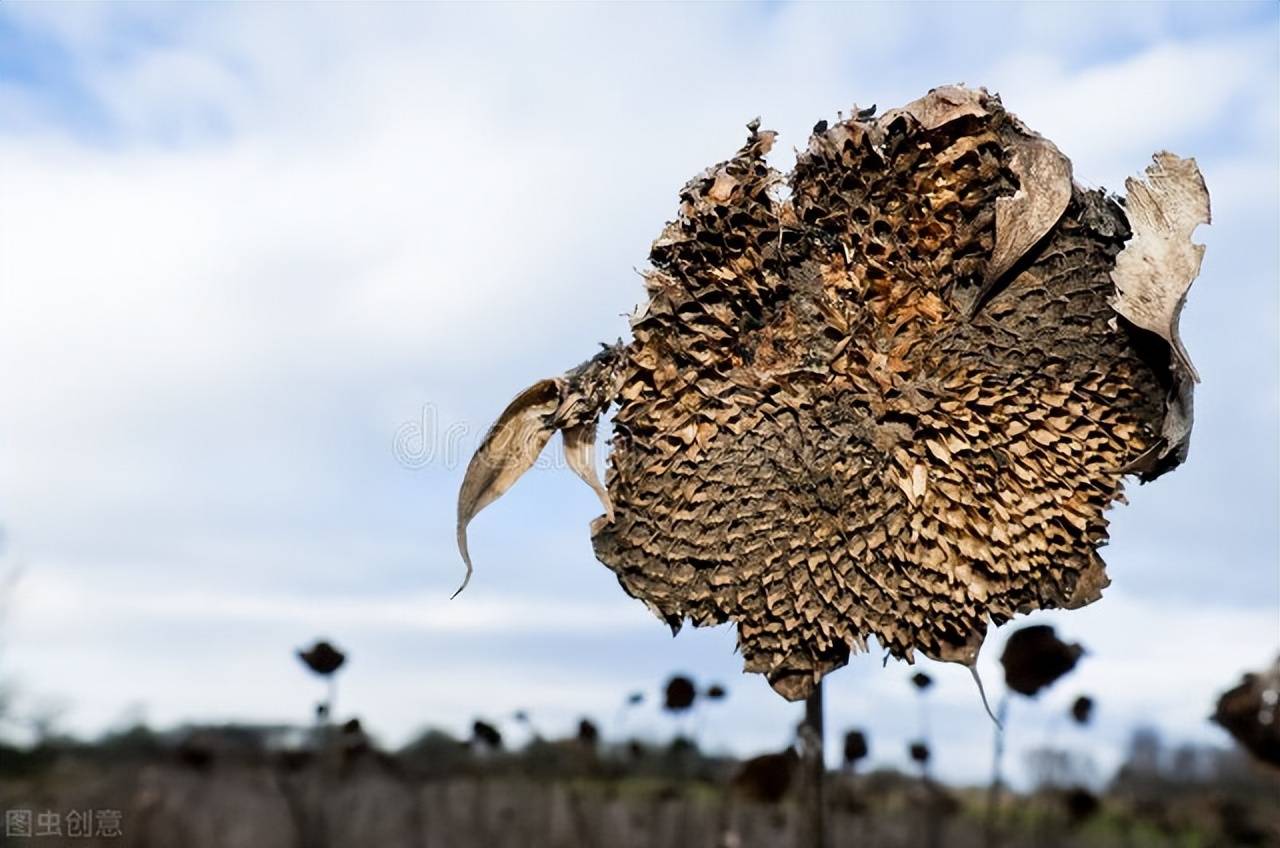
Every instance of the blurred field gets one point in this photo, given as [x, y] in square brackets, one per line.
[224, 788]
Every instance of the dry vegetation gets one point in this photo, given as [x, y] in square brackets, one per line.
[440, 793]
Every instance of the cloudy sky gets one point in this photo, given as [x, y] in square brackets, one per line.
[266, 272]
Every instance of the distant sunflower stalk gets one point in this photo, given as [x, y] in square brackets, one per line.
[1250, 712]
[1034, 658]
[324, 660]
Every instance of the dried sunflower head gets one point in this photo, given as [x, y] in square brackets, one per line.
[855, 747]
[1082, 709]
[921, 681]
[588, 733]
[1034, 657]
[716, 692]
[1250, 712]
[486, 735]
[322, 658]
[919, 752]
[679, 694]
[895, 402]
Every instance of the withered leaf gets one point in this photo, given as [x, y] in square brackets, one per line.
[1044, 190]
[1156, 268]
[941, 106]
[579, 452]
[508, 450]
[571, 403]
[1152, 276]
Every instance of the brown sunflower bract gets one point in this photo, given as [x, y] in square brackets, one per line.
[893, 401]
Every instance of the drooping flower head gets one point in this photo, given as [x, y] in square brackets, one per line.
[894, 401]
[322, 658]
[1034, 658]
[679, 694]
[1082, 709]
[855, 747]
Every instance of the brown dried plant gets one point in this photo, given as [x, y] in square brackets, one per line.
[485, 735]
[1082, 710]
[891, 394]
[679, 694]
[1250, 712]
[766, 778]
[322, 658]
[855, 748]
[1035, 658]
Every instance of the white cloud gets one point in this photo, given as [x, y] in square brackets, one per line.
[49, 607]
[1110, 118]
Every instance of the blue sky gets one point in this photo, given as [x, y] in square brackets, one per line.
[242, 247]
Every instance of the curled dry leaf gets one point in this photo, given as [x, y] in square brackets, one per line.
[1153, 274]
[509, 449]
[942, 105]
[893, 403]
[1044, 190]
[1158, 265]
[579, 453]
[571, 403]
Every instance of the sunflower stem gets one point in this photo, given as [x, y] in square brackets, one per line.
[813, 813]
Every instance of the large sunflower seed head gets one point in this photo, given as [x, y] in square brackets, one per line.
[893, 400]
